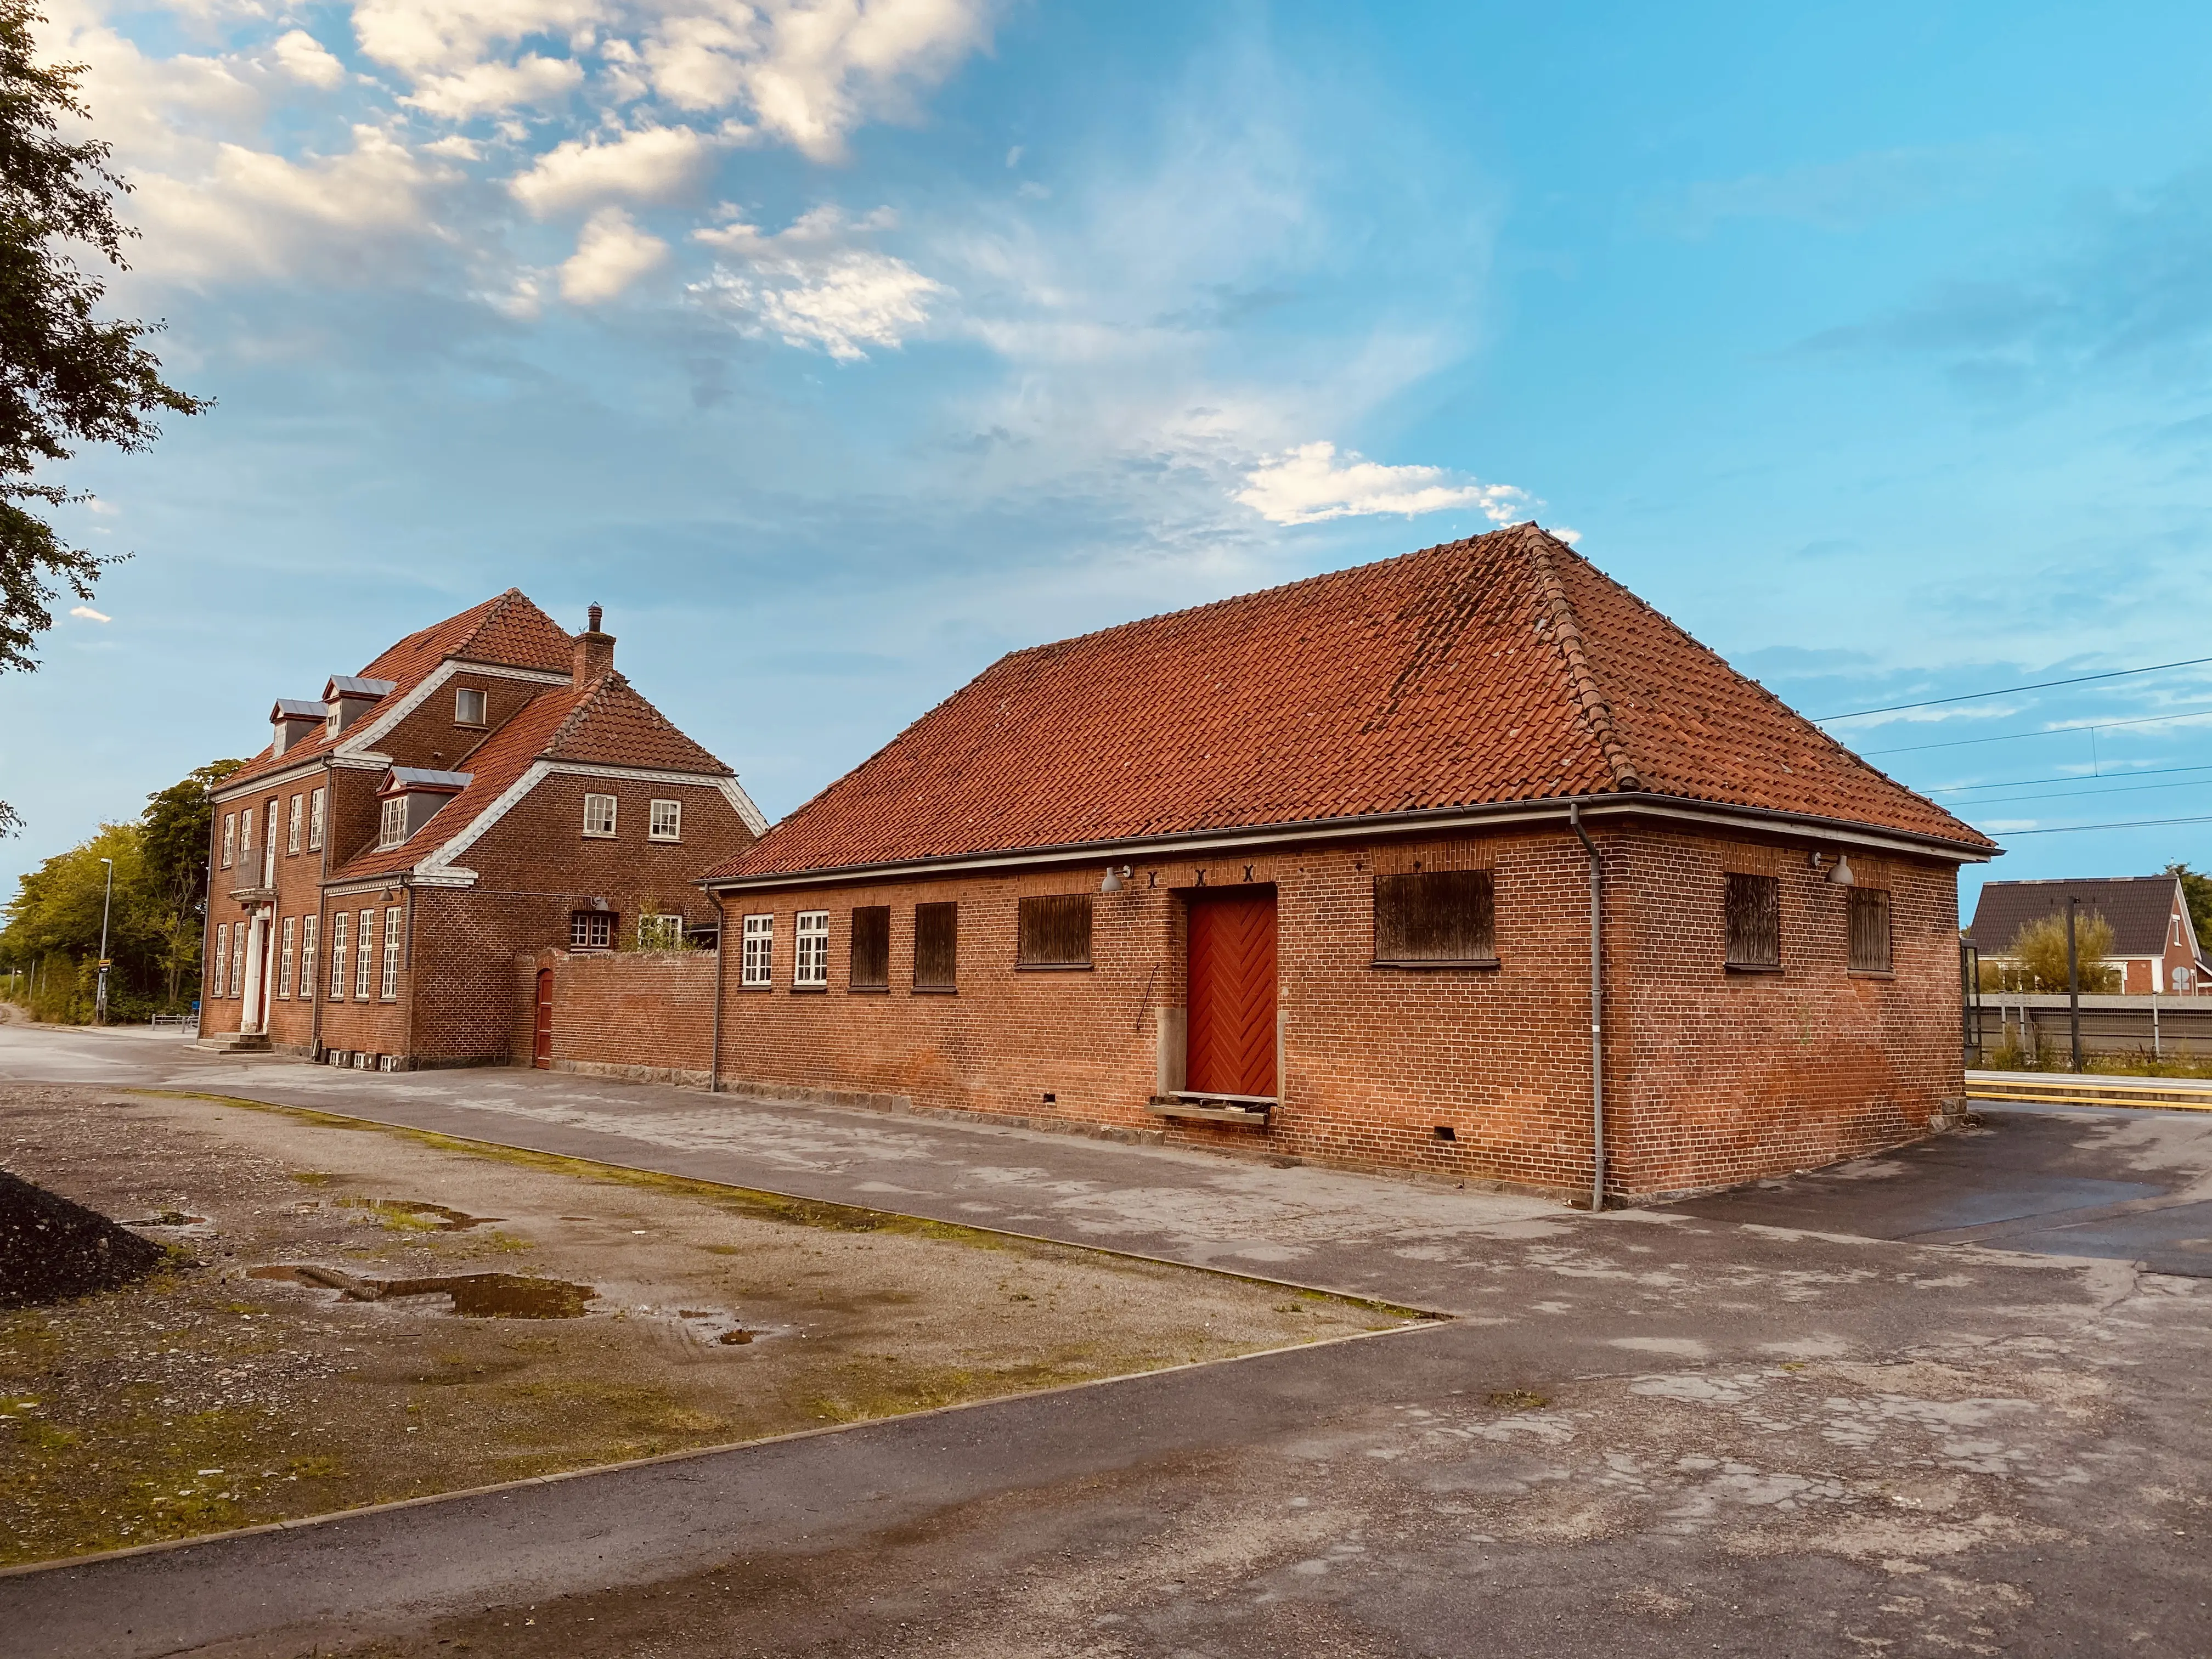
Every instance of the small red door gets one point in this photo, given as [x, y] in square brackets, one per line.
[542, 1056]
[1232, 995]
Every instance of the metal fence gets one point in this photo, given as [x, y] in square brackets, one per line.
[2163, 1027]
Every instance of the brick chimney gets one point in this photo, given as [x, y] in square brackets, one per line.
[595, 651]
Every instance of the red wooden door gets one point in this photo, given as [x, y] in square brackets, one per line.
[542, 1056]
[1232, 995]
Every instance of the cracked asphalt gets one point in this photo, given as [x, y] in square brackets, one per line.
[1953, 1400]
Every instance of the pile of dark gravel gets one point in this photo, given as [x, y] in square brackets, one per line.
[52, 1250]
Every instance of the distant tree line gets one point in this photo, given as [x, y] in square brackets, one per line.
[49, 945]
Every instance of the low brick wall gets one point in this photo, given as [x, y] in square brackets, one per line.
[646, 1015]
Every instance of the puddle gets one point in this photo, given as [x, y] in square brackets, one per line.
[432, 1217]
[476, 1295]
[167, 1219]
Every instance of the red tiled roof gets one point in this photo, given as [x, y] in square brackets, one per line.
[605, 723]
[505, 629]
[1501, 669]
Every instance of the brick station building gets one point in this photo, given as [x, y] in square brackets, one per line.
[486, 787]
[1316, 868]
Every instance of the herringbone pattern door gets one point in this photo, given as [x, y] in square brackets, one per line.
[1232, 995]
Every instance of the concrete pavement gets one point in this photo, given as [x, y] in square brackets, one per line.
[1786, 1420]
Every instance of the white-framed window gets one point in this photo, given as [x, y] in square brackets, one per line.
[315, 822]
[269, 847]
[468, 707]
[284, 959]
[221, 961]
[666, 823]
[364, 955]
[391, 827]
[238, 960]
[229, 838]
[307, 957]
[810, 963]
[338, 955]
[592, 930]
[756, 966]
[598, 815]
[659, 933]
[299, 822]
[244, 835]
[391, 926]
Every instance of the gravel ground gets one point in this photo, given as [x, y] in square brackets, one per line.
[302, 1364]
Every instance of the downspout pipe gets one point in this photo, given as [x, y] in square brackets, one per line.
[722, 940]
[1597, 1007]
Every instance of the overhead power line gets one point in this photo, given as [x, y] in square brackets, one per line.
[2052, 731]
[2078, 794]
[2080, 777]
[2008, 690]
[2132, 823]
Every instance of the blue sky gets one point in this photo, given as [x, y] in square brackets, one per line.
[837, 348]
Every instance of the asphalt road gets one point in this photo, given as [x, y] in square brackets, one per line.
[1937, 1402]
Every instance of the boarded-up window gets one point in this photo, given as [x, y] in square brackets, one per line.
[936, 946]
[1055, 931]
[1436, 916]
[1754, 921]
[872, 948]
[1870, 930]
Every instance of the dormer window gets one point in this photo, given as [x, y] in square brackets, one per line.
[468, 707]
[347, 698]
[294, 720]
[411, 798]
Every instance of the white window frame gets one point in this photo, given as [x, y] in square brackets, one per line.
[238, 960]
[229, 839]
[461, 696]
[338, 955]
[392, 822]
[244, 834]
[292, 829]
[668, 811]
[309, 962]
[659, 933]
[810, 956]
[221, 976]
[315, 808]
[284, 960]
[596, 804]
[596, 928]
[390, 990]
[757, 966]
[364, 955]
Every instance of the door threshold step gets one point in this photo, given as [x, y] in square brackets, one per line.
[1252, 1110]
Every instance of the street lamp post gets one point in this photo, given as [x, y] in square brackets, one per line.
[99, 995]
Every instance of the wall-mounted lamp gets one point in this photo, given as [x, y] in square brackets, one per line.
[1840, 874]
[1114, 878]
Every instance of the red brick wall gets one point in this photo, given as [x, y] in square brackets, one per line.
[1712, 1076]
[648, 1016]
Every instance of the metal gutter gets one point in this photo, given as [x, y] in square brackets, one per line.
[1551, 810]
[1597, 1007]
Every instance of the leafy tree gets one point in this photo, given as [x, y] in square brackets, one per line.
[2197, 894]
[176, 824]
[66, 377]
[2036, 958]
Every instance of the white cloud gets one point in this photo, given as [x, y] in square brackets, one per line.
[90, 614]
[812, 71]
[811, 286]
[303, 58]
[651, 165]
[611, 254]
[257, 214]
[444, 37]
[483, 88]
[1309, 483]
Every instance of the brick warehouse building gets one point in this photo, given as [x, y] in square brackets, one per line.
[1319, 869]
[488, 785]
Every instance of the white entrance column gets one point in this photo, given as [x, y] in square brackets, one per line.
[253, 1014]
